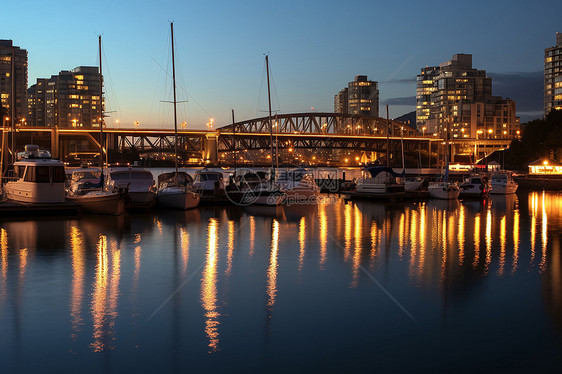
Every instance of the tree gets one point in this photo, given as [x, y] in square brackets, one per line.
[540, 138]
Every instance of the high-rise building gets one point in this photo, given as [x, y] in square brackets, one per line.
[458, 96]
[360, 97]
[37, 103]
[552, 76]
[13, 81]
[340, 102]
[71, 99]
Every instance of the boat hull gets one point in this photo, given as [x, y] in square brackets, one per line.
[504, 189]
[141, 200]
[37, 193]
[111, 203]
[177, 198]
[250, 197]
[443, 191]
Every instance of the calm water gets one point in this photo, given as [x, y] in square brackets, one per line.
[337, 287]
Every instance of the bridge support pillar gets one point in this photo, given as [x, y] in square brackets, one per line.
[55, 142]
[5, 155]
[210, 148]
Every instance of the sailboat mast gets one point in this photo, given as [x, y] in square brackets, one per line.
[270, 123]
[402, 146]
[175, 112]
[447, 144]
[13, 104]
[234, 142]
[101, 109]
[387, 138]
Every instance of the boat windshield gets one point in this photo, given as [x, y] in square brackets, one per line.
[208, 177]
[78, 175]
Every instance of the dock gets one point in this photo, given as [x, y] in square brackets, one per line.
[17, 209]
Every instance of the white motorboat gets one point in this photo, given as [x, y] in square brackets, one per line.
[298, 184]
[476, 186]
[380, 181]
[37, 178]
[502, 183]
[100, 201]
[175, 191]
[413, 184]
[138, 183]
[255, 188]
[209, 184]
[87, 191]
[443, 190]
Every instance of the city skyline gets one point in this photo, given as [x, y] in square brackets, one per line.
[312, 50]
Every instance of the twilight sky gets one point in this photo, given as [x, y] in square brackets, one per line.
[315, 48]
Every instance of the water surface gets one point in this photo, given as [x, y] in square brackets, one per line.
[332, 287]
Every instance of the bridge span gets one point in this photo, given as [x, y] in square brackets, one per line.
[311, 132]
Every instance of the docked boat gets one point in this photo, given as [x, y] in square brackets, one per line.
[380, 181]
[502, 183]
[175, 191]
[298, 184]
[255, 187]
[443, 190]
[87, 191]
[209, 184]
[413, 184]
[475, 186]
[139, 184]
[37, 178]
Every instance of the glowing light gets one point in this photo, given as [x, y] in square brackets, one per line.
[184, 245]
[209, 288]
[230, 252]
[358, 224]
[502, 246]
[78, 276]
[323, 234]
[515, 241]
[460, 236]
[488, 240]
[544, 236]
[272, 269]
[99, 296]
[347, 231]
[302, 241]
[252, 234]
[476, 241]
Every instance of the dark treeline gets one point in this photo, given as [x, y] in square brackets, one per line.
[539, 138]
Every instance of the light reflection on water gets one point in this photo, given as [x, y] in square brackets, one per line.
[101, 276]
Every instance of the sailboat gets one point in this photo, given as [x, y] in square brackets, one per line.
[174, 193]
[259, 188]
[94, 197]
[444, 189]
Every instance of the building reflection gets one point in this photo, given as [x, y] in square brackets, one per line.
[209, 287]
[78, 279]
[105, 295]
[302, 242]
[230, 251]
[272, 269]
[4, 261]
[551, 214]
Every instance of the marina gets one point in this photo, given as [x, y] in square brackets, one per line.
[376, 199]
